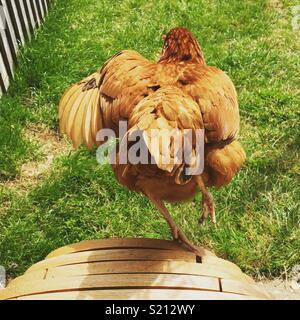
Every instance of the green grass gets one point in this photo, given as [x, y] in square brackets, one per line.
[258, 213]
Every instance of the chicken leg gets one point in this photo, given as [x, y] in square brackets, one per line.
[177, 233]
[208, 207]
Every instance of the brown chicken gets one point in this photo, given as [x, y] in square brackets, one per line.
[179, 91]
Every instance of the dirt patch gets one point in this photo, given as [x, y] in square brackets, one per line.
[50, 146]
[282, 289]
[285, 288]
[275, 4]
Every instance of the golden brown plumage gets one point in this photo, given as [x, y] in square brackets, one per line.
[178, 92]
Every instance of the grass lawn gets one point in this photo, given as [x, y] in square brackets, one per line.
[72, 198]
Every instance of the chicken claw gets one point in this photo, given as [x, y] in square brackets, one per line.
[177, 234]
[208, 209]
[181, 238]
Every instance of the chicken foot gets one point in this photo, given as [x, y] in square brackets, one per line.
[208, 207]
[177, 234]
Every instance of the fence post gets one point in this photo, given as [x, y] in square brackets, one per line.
[18, 19]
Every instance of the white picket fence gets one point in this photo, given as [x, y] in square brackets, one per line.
[18, 19]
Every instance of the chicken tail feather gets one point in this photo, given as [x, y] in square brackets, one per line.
[79, 112]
